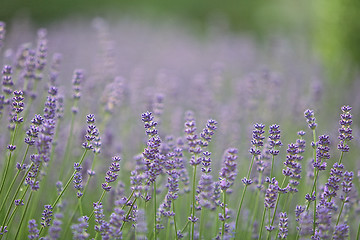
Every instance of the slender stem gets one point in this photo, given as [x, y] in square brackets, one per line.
[193, 202]
[262, 223]
[6, 170]
[272, 166]
[155, 237]
[68, 143]
[358, 233]
[176, 236]
[224, 212]
[13, 181]
[278, 199]
[341, 209]
[23, 216]
[100, 199]
[243, 195]
[65, 187]
[127, 215]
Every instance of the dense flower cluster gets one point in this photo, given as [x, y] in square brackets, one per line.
[345, 131]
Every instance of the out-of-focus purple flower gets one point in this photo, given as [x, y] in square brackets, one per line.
[310, 118]
[55, 228]
[41, 51]
[7, 83]
[341, 232]
[116, 221]
[345, 131]
[283, 226]
[33, 230]
[55, 68]
[228, 171]
[78, 77]
[324, 221]
[2, 33]
[79, 230]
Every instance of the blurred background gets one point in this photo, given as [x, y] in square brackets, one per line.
[332, 27]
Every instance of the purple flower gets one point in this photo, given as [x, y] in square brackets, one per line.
[111, 174]
[310, 118]
[55, 228]
[347, 183]
[91, 133]
[257, 139]
[79, 230]
[322, 152]
[283, 226]
[78, 77]
[293, 167]
[33, 230]
[341, 232]
[7, 83]
[333, 183]
[274, 139]
[41, 51]
[228, 171]
[78, 180]
[190, 131]
[46, 216]
[345, 131]
[207, 133]
[17, 106]
[271, 195]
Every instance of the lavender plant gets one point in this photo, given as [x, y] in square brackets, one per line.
[62, 178]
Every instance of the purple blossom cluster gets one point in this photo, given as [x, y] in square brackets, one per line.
[345, 131]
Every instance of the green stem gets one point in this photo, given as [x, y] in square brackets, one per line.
[176, 237]
[262, 223]
[155, 210]
[68, 143]
[65, 187]
[193, 202]
[13, 182]
[243, 195]
[23, 216]
[224, 212]
[6, 170]
[341, 209]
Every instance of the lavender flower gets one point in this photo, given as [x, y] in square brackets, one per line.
[257, 139]
[271, 195]
[228, 171]
[18, 106]
[116, 221]
[78, 77]
[33, 230]
[46, 216]
[333, 182]
[345, 131]
[283, 226]
[274, 139]
[78, 180]
[101, 225]
[322, 152]
[79, 230]
[152, 156]
[55, 228]
[111, 174]
[341, 232]
[191, 136]
[293, 167]
[41, 52]
[91, 133]
[207, 133]
[310, 118]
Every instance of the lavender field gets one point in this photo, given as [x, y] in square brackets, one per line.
[140, 130]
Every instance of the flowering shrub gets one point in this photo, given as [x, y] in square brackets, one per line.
[76, 163]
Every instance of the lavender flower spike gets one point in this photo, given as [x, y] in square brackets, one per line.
[345, 131]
